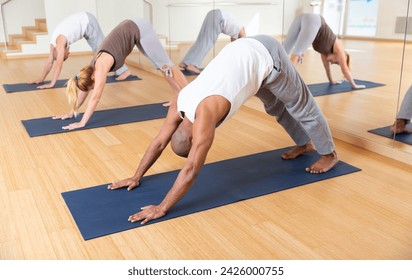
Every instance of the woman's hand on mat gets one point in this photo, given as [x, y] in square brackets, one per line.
[63, 117]
[147, 214]
[49, 85]
[336, 82]
[73, 126]
[358, 86]
[130, 183]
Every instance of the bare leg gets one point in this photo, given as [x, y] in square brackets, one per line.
[399, 127]
[124, 75]
[324, 164]
[177, 81]
[298, 150]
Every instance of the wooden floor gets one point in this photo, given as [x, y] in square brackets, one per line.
[365, 215]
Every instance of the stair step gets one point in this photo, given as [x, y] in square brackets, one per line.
[28, 36]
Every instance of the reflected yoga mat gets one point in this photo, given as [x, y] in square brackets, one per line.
[345, 86]
[401, 137]
[98, 211]
[46, 126]
[9, 88]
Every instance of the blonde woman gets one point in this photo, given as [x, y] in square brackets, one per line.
[309, 28]
[110, 56]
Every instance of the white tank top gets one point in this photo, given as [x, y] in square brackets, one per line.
[231, 26]
[236, 73]
[72, 27]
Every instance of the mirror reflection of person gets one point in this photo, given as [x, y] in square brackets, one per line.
[216, 21]
[249, 66]
[109, 57]
[67, 32]
[404, 115]
[311, 29]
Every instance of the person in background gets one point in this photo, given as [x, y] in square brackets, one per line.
[309, 28]
[70, 30]
[216, 22]
[110, 56]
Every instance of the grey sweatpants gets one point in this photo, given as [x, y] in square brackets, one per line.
[151, 47]
[286, 96]
[405, 112]
[94, 37]
[302, 33]
[208, 34]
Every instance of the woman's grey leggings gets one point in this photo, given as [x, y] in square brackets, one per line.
[302, 33]
[209, 32]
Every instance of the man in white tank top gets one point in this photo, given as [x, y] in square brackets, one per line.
[67, 32]
[250, 66]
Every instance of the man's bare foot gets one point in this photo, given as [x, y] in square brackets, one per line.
[193, 68]
[124, 75]
[399, 127]
[324, 164]
[298, 150]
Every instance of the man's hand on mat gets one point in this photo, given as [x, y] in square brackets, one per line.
[130, 183]
[73, 126]
[147, 214]
[63, 117]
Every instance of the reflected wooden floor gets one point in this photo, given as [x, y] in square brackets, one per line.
[366, 215]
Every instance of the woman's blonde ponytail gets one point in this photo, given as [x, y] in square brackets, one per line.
[82, 81]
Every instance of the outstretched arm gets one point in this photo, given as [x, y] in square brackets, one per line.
[154, 150]
[339, 50]
[60, 50]
[102, 67]
[47, 67]
[326, 64]
[82, 95]
[203, 133]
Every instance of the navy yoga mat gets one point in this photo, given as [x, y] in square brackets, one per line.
[345, 86]
[190, 73]
[98, 211]
[9, 88]
[386, 132]
[45, 126]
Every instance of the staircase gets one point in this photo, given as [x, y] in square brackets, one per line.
[28, 36]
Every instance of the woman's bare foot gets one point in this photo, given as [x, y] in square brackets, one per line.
[324, 164]
[298, 150]
[124, 75]
[399, 126]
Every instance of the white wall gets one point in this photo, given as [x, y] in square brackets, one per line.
[179, 23]
[18, 13]
[388, 11]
